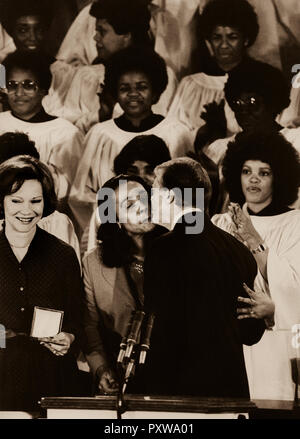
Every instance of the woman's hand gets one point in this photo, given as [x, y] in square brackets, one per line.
[107, 381]
[245, 231]
[261, 305]
[59, 344]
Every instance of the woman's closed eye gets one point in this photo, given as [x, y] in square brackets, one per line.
[36, 201]
[16, 201]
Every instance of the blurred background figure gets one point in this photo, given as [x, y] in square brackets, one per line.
[229, 27]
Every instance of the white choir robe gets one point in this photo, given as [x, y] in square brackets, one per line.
[59, 143]
[290, 117]
[174, 24]
[59, 225]
[76, 96]
[102, 144]
[79, 46]
[216, 152]
[268, 362]
[195, 91]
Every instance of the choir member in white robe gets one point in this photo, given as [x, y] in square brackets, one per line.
[118, 25]
[230, 28]
[173, 26]
[135, 78]
[256, 96]
[13, 144]
[58, 141]
[263, 171]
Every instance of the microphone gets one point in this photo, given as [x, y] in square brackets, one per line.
[134, 332]
[123, 343]
[145, 345]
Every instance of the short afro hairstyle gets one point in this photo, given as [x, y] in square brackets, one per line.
[125, 16]
[263, 79]
[37, 63]
[268, 147]
[182, 173]
[136, 59]
[14, 9]
[150, 149]
[238, 14]
[16, 170]
[13, 144]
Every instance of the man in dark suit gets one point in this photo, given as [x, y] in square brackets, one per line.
[193, 277]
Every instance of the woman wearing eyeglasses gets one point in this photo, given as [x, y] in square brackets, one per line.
[257, 95]
[59, 143]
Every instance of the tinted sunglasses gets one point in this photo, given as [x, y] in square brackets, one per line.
[28, 86]
[250, 103]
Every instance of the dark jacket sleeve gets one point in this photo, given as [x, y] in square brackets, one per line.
[73, 291]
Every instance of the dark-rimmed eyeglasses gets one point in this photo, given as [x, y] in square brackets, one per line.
[28, 86]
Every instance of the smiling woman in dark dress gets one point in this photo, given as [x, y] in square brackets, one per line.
[37, 269]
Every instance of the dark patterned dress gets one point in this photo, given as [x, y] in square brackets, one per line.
[49, 277]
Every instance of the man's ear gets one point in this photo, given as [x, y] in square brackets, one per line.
[246, 43]
[171, 196]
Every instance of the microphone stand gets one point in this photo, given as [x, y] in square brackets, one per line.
[132, 353]
[127, 358]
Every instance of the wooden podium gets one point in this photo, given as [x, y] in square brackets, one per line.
[147, 407]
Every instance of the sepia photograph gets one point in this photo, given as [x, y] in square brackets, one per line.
[149, 213]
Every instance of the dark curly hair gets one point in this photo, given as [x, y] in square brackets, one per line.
[125, 16]
[261, 78]
[11, 10]
[150, 149]
[238, 14]
[13, 144]
[16, 170]
[268, 147]
[116, 248]
[136, 59]
[35, 62]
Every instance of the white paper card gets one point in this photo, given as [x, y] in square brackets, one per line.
[46, 322]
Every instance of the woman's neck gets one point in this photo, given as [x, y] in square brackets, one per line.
[136, 121]
[227, 67]
[19, 239]
[28, 116]
[256, 208]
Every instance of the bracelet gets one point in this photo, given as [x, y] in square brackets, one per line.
[261, 248]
